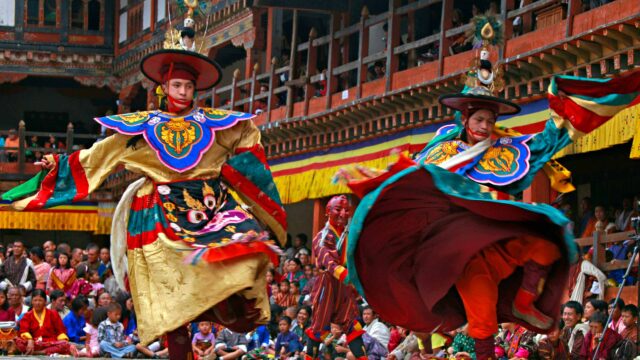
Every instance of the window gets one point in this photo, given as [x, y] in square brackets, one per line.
[77, 14]
[50, 12]
[33, 11]
[122, 35]
[161, 10]
[94, 15]
[7, 13]
[146, 15]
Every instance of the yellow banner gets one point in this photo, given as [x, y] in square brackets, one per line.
[621, 128]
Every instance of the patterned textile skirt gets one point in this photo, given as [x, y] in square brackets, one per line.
[410, 243]
[189, 246]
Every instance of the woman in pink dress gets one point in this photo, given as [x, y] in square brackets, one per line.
[41, 267]
[63, 276]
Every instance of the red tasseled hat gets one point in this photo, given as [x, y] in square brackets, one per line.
[164, 65]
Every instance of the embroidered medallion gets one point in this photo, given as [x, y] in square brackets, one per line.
[179, 142]
[505, 162]
[443, 152]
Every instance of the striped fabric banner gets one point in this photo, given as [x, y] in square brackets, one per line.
[308, 176]
[81, 216]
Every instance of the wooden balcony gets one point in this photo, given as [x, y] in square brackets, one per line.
[599, 42]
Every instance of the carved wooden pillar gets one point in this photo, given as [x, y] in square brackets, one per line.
[102, 15]
[85, 15]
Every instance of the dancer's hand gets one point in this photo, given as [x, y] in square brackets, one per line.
[45, 164]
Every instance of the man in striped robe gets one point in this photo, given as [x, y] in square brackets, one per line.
[335, 302]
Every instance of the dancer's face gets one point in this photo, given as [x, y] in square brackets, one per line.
[179, 89]
[479, 125]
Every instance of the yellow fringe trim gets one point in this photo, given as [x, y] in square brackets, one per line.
[55, 221]
[315, 184]
[623, 127]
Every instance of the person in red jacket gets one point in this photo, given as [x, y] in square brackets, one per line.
[42, 331]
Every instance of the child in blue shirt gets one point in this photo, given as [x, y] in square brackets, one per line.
[287, 343]
[75, 321]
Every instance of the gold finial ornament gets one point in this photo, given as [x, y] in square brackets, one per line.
[191, 5]
[487, 32]
[184, 37]
[483, 73]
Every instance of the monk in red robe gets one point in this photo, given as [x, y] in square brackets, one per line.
[42, 331]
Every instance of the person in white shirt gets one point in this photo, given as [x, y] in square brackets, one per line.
[374, 327]
[623, 218]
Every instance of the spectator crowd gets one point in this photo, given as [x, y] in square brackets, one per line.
[55, 299]
[34, 147]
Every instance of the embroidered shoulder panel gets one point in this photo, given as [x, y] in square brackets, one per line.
[504, 163]
[179, 142]
[442, 152]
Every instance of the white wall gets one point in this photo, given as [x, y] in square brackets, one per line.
[122, 36]
[375, 39]
[146, 15]
[161, 10]
[7, 13]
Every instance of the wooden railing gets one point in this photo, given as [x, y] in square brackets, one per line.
[20, 168]
[341, 74]
[600, 241]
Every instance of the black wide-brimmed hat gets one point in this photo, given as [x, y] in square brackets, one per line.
[479, 98]
[203, 71]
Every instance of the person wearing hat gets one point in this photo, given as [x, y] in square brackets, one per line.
[442, 234]
[191, 233]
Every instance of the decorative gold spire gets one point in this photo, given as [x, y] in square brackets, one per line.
[185, 37]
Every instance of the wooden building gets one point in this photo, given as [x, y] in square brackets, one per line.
[340, 82]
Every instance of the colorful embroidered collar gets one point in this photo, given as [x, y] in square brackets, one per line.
[181, 141]
[505, 162]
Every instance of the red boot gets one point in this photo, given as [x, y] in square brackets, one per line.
[179, 344]
[485, 349]
[532, 286]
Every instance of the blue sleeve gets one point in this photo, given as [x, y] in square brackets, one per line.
[131, 326]
[294, 344]
[263, 335]
[72, 329]
[278, 345]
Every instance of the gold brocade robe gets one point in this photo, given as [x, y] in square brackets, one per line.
[166, 291]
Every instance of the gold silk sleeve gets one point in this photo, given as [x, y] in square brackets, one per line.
[103, 158]
[94, 164]
[244, 135]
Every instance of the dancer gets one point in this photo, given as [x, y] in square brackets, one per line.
[193, 247]
[335, 302]
[442, 234]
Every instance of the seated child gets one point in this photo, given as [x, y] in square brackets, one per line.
[111, 334]
[203, 340]
[287, 343]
